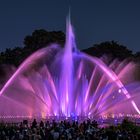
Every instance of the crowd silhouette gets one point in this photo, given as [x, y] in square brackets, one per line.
[67, 130]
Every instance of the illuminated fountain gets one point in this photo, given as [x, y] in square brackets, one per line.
[65, 82]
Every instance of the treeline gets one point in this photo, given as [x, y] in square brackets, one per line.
[113, 50]
[38, 39]
[42, 38]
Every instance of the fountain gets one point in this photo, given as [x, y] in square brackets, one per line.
[64, 82]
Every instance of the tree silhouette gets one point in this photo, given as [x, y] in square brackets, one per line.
[110, 48]
[39, 39]
[42, 38]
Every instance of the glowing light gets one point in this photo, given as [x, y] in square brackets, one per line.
[119, 91]
[65, 82]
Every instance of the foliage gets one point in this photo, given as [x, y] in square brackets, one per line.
[38, 39]
[42, 38]
[110, 48]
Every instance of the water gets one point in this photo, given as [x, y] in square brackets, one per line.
[66, 83]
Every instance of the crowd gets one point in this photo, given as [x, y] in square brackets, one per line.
[64, 130]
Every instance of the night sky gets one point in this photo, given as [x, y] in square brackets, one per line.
[94, 21]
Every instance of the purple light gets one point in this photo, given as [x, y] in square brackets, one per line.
[65, 82]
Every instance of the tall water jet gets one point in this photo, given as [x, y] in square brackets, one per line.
[66, 83]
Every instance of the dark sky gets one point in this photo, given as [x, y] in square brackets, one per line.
[94, 20]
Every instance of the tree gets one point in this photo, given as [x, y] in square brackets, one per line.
[111, 49]
[137, 57]
[39, 39]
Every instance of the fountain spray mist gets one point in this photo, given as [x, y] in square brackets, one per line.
[63, 82]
